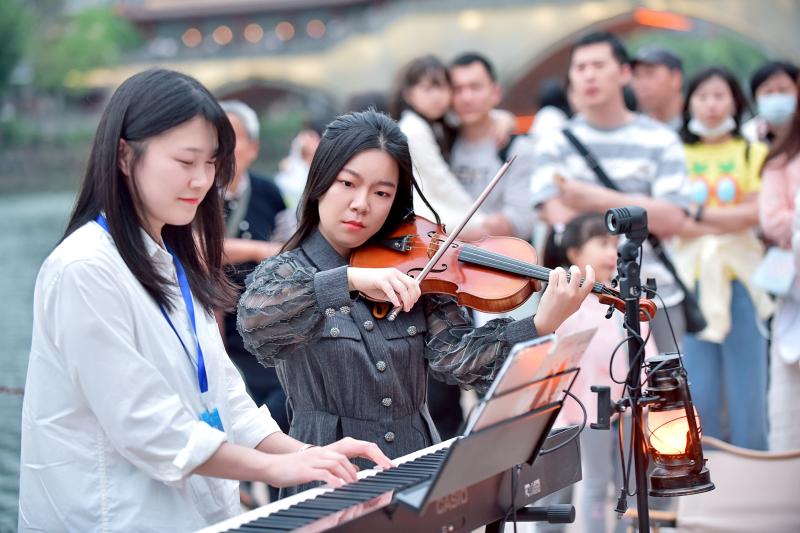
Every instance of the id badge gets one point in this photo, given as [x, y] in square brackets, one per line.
[212, 419]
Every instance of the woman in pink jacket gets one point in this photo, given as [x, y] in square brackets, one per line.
[778, 213]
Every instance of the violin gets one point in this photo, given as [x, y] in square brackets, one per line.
[492, 274]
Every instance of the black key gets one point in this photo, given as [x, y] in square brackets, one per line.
[346, 499]
[250, 529]
[378, 487]
[353, 492]
[400, 477]
[316, 513]
[394, 473]
[276, 519]
[351, 496]
[330, 505]
[288, 522]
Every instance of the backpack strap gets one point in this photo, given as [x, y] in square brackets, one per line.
[591, 161]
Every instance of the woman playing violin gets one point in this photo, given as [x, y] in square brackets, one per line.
[345, 372]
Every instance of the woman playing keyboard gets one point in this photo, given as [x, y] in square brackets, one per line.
[134, 418]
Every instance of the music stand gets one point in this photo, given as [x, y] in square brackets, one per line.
[512, 421]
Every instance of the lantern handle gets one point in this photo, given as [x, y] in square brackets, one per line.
[694, 444]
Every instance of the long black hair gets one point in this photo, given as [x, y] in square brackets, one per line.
[145, 105]
[344, 138]
[575, 234]
[739, 100]
[428, 66]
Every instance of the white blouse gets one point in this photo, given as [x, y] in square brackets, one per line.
[439, 185]
[110, 418]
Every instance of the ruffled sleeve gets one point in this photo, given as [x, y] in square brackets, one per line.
[460, 353]
[283, 305]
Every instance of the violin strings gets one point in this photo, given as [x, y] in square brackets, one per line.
[501, 262]
[473, 252]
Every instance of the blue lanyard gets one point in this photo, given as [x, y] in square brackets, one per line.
[186, 292]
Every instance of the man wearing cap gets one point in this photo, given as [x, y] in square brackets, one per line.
[642, 157]
[645, 163]
[657, 82]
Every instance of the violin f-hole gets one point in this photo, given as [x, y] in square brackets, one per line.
[413, 271]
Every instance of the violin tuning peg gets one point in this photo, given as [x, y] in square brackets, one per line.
[610, 312]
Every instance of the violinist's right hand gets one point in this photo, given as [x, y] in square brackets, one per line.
[384, 285]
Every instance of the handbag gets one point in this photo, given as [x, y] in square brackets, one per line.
[695, 321]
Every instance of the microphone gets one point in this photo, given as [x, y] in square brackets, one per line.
[630, 221]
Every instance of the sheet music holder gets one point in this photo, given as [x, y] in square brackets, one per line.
[510, 424]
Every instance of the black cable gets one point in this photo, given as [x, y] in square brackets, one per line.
[514, 479]
[639, 354]
[611, 361]
[642, 344]
[674, 339]
[576, 433]
[622, 500]
[515, 471]
[669, 323]
[634, 423]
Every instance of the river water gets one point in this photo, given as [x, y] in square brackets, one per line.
[30, 227]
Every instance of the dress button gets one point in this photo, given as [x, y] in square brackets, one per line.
[387, 402]
[381, 366]
[369, 325]
[244, 225]
[334, 332]
[412, 330]
[247, 235]
[329, 312]
[389, 437]
[345, 310]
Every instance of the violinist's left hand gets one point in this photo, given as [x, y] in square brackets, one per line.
[561, 298]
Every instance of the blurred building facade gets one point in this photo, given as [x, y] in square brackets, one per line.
[322, 51]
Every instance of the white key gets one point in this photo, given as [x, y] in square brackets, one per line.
[287, 502]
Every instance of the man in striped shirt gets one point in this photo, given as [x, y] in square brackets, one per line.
[642, 157]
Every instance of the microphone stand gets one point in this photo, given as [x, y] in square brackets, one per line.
[630, 292]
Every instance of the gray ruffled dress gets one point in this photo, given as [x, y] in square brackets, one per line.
[347, 373]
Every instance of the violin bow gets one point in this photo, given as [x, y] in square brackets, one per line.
[454, 235]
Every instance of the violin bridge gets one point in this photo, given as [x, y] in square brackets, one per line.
[433, 244]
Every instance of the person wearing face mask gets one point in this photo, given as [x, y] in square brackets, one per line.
[717, 253]
[773, 89]
[779, 203]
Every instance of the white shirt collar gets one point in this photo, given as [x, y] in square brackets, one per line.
[154, 250]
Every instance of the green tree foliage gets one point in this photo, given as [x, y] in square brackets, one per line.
[71, 44]
[13, 26]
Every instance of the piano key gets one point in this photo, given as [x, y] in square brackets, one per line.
[333, 505]
[355, 493]
[265, 527]
[486, 504]
[306, 510]
[431, 455]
